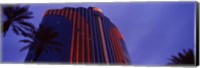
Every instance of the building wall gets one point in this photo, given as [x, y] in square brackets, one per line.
[87, 36]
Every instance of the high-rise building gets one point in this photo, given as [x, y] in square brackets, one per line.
[86, 36]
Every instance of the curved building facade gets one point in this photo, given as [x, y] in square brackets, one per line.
[86, 37]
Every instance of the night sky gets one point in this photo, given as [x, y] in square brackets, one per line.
[153, 31]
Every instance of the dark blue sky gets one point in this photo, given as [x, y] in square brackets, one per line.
[153, 31]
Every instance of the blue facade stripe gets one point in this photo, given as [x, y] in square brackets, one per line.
[108, 42]
[97, 51]
[92, 37]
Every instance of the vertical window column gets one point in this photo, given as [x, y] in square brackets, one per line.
[73, 33]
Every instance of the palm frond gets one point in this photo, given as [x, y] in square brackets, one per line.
[15, 30]
[25, 34]
[29, 29]
[16, 14]
[8, 10]
[21, 18]
[25, 48]
[42, 36]
[25, 41]
[21, 30]
[175, 59]
[27, 24]
[186, 57]
[21, 10]
[181, 56]
[46, 33]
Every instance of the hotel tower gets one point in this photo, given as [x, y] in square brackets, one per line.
[86, 36]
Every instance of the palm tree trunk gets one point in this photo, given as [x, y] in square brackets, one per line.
[6, 26]
[38, 53]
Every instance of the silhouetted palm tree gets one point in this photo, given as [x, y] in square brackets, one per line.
[40, 40]
[185, 58]
[15, 16]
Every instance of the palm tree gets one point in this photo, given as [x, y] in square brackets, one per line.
[15, 16]
[185, 58]
[40, 40]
